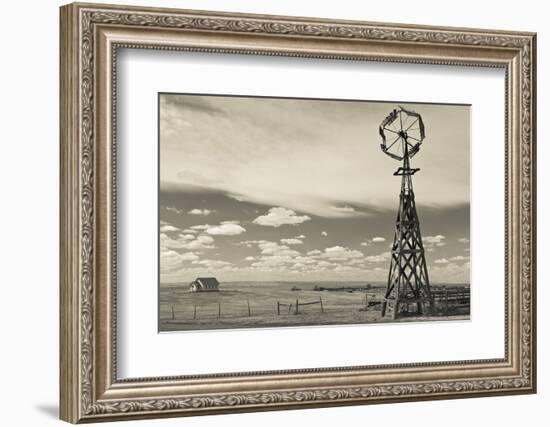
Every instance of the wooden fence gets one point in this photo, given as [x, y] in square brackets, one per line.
[297, 306]
[445, 300]
[451, 298]
[197, 310]
[283, 305]
[372, 300]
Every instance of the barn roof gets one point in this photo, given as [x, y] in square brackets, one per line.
[207, 281]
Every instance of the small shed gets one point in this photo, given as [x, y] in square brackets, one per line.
[204, 284]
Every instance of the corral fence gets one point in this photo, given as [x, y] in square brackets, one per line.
[449, 300]
[445, 300]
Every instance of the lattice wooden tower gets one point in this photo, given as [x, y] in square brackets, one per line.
[408, 287]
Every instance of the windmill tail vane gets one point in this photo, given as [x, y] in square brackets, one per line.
[408, 285]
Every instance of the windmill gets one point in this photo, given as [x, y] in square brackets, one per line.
[402, 133]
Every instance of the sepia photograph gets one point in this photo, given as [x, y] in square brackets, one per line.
[277, 212]
[261, 212]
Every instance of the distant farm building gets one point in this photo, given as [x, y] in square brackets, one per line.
[204, 284]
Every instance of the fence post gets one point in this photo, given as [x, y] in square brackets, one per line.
[366, 302]
[173, 317]
[278, 308]
[296, 312]
[321, 302]
[219, 310]
[248, 304]
[195, 312]
[446, 301]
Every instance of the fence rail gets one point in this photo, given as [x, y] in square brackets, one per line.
[451, 298]
[448, 299]
[208, 311]
[281, 304]
[297, 305]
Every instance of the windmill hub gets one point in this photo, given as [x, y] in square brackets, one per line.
[408, 282]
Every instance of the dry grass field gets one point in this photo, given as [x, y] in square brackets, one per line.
[273, 304]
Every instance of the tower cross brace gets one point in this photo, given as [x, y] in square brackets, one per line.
[408, 281]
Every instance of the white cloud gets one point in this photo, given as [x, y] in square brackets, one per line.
[298, 266]
[200, 227]
[325, 264]
[175, 210]
[434, 239]
[459, 258]
[355, 261]
[383, 257]
[237, 197]
[441, 261]
[182, 241]
[200, 243]
[339, 253]
[324, 233]
[431, 241]
[280, 216]
[305, 259]
[225, 228]
[450, 272]
[191, 231]
[373, 240]
[301, 236]
[277, 257]
[343, 209]
[189, 256]
[250, 258]
[274, 255]
[463, 240]
[272, 251]
[294, 241]
[196, 211]
[167, 227]
[273, 248]
[171, 260]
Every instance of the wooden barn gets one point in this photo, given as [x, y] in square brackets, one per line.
[204, 284]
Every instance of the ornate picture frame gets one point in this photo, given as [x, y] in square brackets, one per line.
[90, 37]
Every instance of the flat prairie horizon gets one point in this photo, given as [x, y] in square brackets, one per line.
[256, 304]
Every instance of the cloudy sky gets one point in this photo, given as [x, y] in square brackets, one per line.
[291, 189]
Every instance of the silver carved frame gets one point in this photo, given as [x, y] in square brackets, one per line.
[90, 36]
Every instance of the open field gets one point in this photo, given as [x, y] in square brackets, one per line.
[255, 305]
